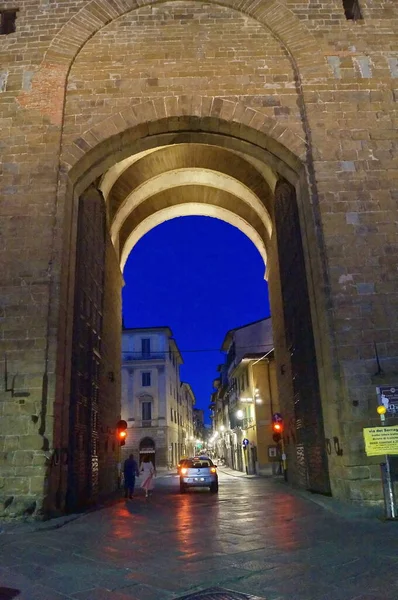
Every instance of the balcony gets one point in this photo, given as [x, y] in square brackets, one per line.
[133, 356]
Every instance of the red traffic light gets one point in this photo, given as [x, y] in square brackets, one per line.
[277, 430]
[121, 432]
[277, 427]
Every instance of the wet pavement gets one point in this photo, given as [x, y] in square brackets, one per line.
[255, 538]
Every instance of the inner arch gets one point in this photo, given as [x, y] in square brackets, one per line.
[184, 177]
[192, 209]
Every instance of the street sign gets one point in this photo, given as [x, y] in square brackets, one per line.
[381, 440]
[277, 418]
[387, 395]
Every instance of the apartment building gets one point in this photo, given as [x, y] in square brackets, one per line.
[245, 399]
[155, 403]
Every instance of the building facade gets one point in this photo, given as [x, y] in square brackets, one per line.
[156, 405]
[187, 411]
[245, 400]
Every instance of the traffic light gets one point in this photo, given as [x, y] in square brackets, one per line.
[277, 428]
[121, 432]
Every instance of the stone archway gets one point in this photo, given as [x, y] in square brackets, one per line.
[113, 79]
[117, 168]
[260, 135]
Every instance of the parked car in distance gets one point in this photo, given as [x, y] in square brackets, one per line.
[181, 463]
[199, 472]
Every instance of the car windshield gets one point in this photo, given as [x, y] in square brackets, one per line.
[198, 464]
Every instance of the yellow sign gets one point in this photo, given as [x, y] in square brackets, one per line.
[381, 440]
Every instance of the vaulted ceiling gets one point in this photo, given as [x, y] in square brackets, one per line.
[177, 180]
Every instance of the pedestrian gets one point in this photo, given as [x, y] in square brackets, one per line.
[130, 471]
[148, 470]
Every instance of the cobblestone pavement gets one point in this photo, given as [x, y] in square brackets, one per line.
[255, 537]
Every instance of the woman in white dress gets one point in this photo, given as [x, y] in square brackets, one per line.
[148, 471]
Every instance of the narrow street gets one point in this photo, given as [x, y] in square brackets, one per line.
[256, 537]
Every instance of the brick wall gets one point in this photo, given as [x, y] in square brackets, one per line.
[297, 73]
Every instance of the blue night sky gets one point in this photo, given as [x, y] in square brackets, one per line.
[201, 277]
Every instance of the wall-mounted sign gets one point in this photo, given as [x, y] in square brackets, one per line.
[273, 454]
[387, 395]
[277, 418]
[381, 440]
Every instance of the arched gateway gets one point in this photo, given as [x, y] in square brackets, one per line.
[151, 114]
[195, 170]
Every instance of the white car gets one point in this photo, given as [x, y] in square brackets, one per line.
[199, 472]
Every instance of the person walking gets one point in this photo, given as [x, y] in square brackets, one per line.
[148, 470]
[130, 471]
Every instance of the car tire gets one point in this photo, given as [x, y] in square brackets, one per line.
[214, 488]
[183, 488]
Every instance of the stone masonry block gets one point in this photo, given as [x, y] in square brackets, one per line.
[16, 485]
[23, 458]
[359, 472]
[36, 485]
[31, 442]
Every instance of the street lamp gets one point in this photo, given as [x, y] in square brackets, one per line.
[222, 428]
[239, 414]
